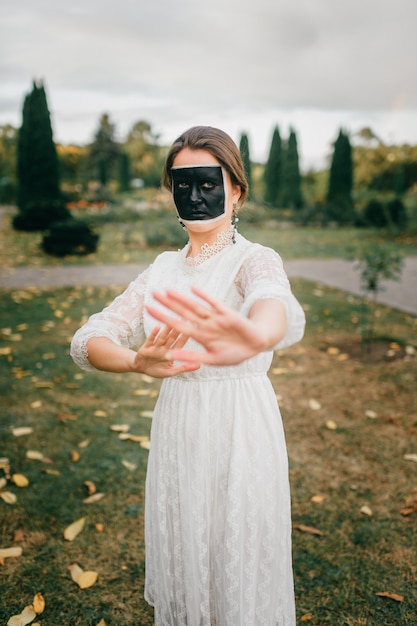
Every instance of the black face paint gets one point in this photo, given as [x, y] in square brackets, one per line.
[199, 192]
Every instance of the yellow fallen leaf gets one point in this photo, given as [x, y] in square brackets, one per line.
[145, 444]
[371, 414]
[87, 579]
[366, 510]
[130, 437]
[6, 553]
[306, 617]
[20, 480]
[130, 466]
[99, 413]
[4, 462]
[39, 603]
[51, 472]
[8, 497]
[35, 455]
[95, 497]
[22, 430]
[74, 529]
[99, 527]
[410, 457]
[75, 456]
[148, 414]
[309, 529]
[331, 425]
[141, 392]
[147, 379]
[392, 596]
[36, 404]
[314, 404]
[75, 571]
[120, 428]
[25, 617]
[3, 482]
[333, 350]
[91, 487]
[101, 623]
[5, 351]
[317, 499]
[84, 444]
[43, 384]
[278, 371]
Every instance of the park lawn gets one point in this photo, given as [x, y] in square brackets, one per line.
[122, 240]
[351, 423]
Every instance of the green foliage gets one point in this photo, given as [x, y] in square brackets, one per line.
[273, 171]
[104, 151]
[145, 154]
[292, 196]
[385, 215]
[245, 154]
[40, 214]
[70, 237]
[8, 147]
[124, 172]
[165, 232]
[39, 197]
[339, 194]
[377, 262]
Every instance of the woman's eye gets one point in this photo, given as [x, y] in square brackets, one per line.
[208, 185]
[183, 185]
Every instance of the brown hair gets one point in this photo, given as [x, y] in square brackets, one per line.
[219, 144]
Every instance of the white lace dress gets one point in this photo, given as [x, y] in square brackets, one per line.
[217, 517]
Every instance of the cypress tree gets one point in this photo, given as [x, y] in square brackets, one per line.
[273, 171]
[291, 177]
[124, 172]
[104, 151]
[339, 194]
[39, 198]
[245, 154]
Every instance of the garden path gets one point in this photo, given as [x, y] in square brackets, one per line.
[338, 273]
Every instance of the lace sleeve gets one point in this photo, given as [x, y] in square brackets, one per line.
[262, 276]
[121, 321]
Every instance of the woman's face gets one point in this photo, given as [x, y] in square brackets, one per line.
[202, 190]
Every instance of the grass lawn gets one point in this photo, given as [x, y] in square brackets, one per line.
[122, 239]
[351, 422]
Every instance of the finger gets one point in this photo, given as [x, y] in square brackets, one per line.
[189, 356]
[217, 306]
[181, 326]
[153, 335]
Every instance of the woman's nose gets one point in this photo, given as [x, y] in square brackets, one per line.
[195, 195]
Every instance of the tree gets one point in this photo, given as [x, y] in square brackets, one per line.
[245, 154]
[8, 148]
[104, 151]
[339, 194]
[39, 197]
[124, 172]
[292, 195]
[145, 155]
[273, 171]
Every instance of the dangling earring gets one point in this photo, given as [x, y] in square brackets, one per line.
[235, 220]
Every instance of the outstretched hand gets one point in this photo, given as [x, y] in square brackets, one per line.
[153, 357]
[227, 337]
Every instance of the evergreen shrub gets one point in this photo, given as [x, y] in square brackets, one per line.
[70, 237]
[38, 215]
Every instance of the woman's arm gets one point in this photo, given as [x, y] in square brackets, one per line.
[227, 336]
[150, 359]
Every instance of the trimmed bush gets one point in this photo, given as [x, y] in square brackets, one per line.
[39, 215]
[70, 237]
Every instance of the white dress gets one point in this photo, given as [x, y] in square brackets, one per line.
[217, 515]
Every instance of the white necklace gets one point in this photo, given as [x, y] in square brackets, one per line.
[224, 238]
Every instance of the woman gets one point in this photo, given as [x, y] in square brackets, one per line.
[217, 518]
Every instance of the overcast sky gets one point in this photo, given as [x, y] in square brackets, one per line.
[242, 65]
